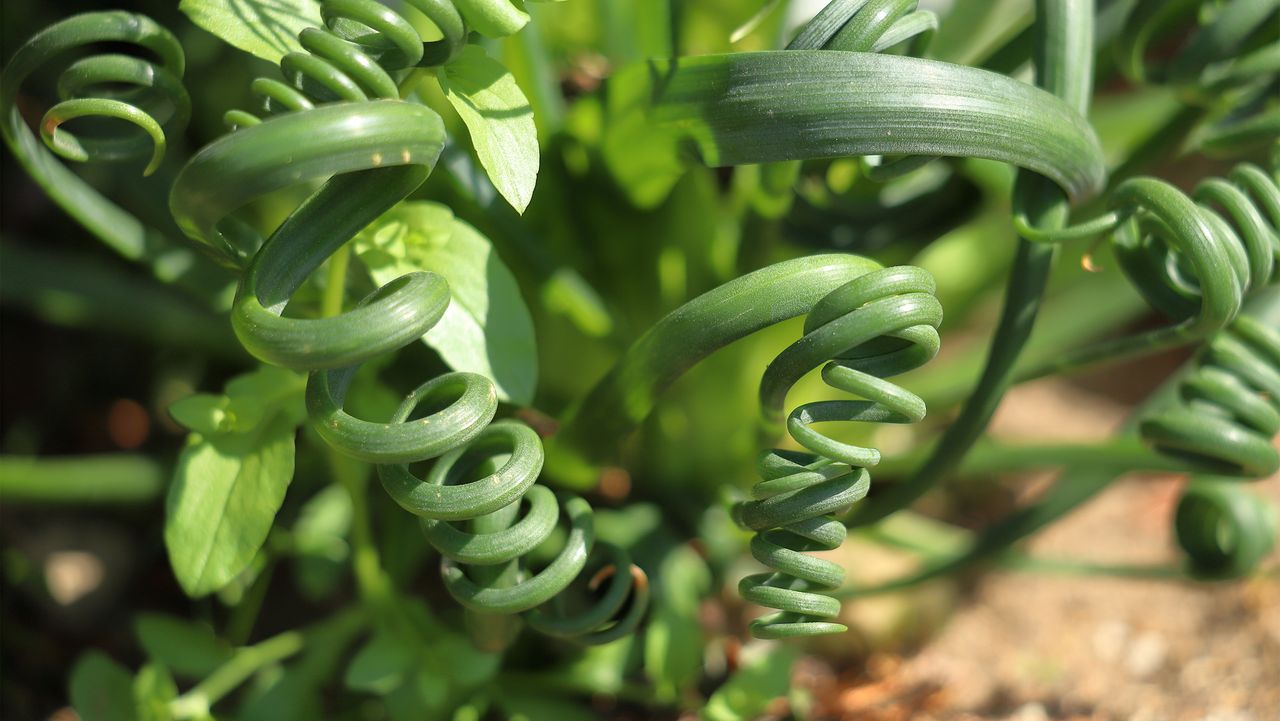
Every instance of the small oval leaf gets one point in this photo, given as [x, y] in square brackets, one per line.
[223, 501]
[487, 328]
[500, 120]
[266, 28]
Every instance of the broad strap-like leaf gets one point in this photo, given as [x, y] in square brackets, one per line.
[486, 328]
[266, 28]
[500, 120]
[759, 107]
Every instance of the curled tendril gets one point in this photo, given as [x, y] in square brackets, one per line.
[1225, 531]
[1193, 257]
[1199, 256]
[872, 26]
[338, 115]
[878, 325]
[1227, 414]
[143, 90]
[1228, 64]
[1229, 407]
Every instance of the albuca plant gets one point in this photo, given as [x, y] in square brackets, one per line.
[421, 184]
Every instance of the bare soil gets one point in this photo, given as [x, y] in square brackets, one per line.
[1035, 647]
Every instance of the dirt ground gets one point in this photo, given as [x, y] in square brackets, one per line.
[1035, 647]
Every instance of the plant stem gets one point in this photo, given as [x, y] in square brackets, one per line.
[1062, 30]
[1027, 282]
[246, 662]
[96, 479]
[335, 287]
[989, 458]
[1032, 564]
[372, 583]
[240, 625]
[919, 534]
[1074, 487]
[1115, 349]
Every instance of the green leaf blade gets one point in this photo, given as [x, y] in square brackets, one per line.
[766, 675]
[223, 501]
[265, 28]
[101, 689]
[758, 107]
[487, 328]
[187, 648]
[380, 665]
[500, 120]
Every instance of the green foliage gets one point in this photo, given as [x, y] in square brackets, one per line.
[500, 121]
[486, 329]
[748, 692]
[232, 476]
[715, 217]
[674, 640]
[186, 648]
[320, 541]
[265, 28]
[101, 689]
[379, 666]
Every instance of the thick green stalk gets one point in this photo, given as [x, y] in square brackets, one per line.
[115, 478]
[618, 403]
[246, 662]
[1064, 34]
[988, 458]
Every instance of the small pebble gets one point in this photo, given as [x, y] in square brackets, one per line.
[1030, 712]
[1110, 639]
[1146, 655]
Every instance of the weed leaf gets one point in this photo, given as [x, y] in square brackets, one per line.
[487, 328]
[500, 121]
[266, 28]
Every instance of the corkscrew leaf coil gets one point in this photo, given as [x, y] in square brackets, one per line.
[869, 322]
[1225, 531]
[881, 324]
[339, 117]
[145, 91]
[1196, 258]
[1229, 409]
[1223, 423]
[799, 104]
[268, 30]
